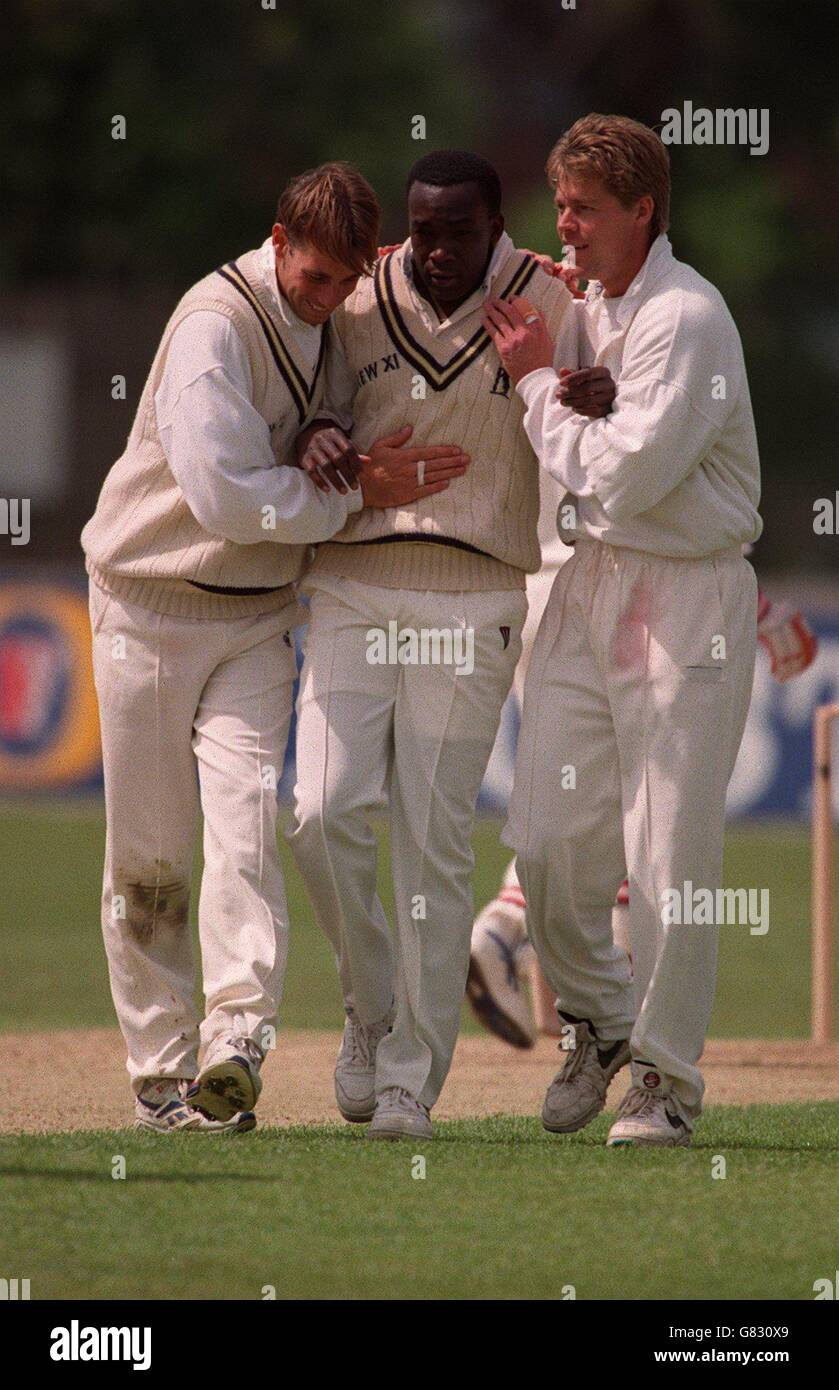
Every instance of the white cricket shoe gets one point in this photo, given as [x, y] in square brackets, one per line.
[578, 1091]
[229, 1079]
[355, 1070]
[644, 1119]
[399, 1116]
[161, 1107]
[498, 969]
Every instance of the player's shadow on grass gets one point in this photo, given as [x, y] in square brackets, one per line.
[83, 1175]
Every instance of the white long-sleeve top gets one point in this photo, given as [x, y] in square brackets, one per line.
[674, 468]
[218, 446]
[389, 333]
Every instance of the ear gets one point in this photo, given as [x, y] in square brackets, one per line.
[279, 237]
[497, 225]
[644, 211]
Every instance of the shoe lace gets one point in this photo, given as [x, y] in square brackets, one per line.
[638, 1102]
[401, 1097]
[357, 1039]
[364, 1038]
[576, 1057]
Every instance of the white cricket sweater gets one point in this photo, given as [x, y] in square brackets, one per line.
[404, 366]
[674, 468]
[204, 492]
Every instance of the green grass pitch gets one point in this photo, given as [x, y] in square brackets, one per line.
[504, 1210]
[53, 964]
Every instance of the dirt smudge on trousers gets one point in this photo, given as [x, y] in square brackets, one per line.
[155, 900]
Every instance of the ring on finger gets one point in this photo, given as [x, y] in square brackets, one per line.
[420, 472]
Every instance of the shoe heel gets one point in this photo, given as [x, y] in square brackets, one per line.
[222, 1091]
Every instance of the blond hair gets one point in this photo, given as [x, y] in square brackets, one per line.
[629, 158]
[334, 209]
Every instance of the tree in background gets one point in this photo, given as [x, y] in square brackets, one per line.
[225, 99]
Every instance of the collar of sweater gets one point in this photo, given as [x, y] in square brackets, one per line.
[658, 262]
[502, 251]
[268, 275]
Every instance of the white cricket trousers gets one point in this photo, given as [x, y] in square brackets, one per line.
[194, 714]
[539, 588]
[634, 707]
[538, 591]
[416, 738]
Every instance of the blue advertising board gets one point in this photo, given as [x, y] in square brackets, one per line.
[49, 731]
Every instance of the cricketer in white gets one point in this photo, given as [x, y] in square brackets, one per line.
[415, 740]
[642, 669]
[195, 690]
[202, 528]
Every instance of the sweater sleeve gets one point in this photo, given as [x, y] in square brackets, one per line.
[655, 436]
[567, 343]
[559, 308]
[219, 447]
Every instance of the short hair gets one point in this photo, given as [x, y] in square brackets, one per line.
[627, 156]
[334, 209]
[443, 168]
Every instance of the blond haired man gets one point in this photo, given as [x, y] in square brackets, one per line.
[641, 674]
[202, 529]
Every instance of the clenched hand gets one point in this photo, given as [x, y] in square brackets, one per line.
[590, 391]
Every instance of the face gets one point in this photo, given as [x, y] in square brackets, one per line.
[607, 237]
[311, 281]
[452, 236]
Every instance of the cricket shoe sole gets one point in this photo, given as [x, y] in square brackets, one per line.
[225, 1089]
